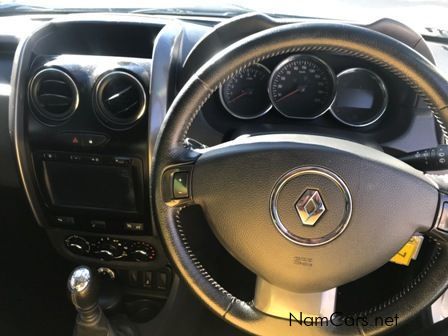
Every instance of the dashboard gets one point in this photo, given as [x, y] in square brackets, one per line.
[88, 95]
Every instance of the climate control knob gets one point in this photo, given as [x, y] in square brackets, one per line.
[109, 249]
[141, 251]
[77, 245]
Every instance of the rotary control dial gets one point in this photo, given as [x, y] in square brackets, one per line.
[108, 248]
[77, 245]
[141, 251]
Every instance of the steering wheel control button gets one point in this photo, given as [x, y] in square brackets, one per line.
[180, 185]
[310, 207]
[301, 220]
[176, 186]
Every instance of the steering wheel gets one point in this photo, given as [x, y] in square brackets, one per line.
[361, 204]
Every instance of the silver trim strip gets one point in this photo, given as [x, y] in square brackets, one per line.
[281, 183]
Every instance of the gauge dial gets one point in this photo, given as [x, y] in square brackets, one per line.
[302, 86]
[361, 97]
[245, 94]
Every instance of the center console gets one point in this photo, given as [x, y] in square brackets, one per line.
[87, 135]
[88, 97]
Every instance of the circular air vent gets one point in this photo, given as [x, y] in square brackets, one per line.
[54, 95]
[120, 100]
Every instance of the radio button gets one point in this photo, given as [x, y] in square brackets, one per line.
[122, 161]
[94, 159]
[134, 226]
[76, 158]
[98, 224]
[49, 156]
[64, 220]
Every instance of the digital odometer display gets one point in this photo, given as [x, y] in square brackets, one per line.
[302, 86]
[361, 97]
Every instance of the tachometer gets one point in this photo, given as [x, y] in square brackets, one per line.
[302, 86]
[245, 94]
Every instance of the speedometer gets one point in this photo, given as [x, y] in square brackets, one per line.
[302, 86]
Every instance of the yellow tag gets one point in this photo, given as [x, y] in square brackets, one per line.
[408, 251]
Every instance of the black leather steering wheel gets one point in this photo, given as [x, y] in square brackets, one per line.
[248, 189]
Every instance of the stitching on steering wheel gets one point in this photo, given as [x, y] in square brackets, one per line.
[195, 260]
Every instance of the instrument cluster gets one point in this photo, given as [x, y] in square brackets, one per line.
[306, 87]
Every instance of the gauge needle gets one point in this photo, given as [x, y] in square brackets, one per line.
[242, 94]
[300, 89]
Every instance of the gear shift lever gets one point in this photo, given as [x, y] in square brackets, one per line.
[83, 290]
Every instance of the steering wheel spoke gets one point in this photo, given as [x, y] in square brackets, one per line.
[279, 302]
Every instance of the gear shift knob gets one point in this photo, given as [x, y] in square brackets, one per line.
[83, 289]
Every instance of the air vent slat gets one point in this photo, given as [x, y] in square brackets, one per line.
[54, 95]
[126, 109]
[120, 99]
[119, 94]
[54, 99]
[54, 81]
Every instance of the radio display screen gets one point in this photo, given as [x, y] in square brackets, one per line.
[90, 186]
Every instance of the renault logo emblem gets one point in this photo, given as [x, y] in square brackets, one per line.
[310, 207]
